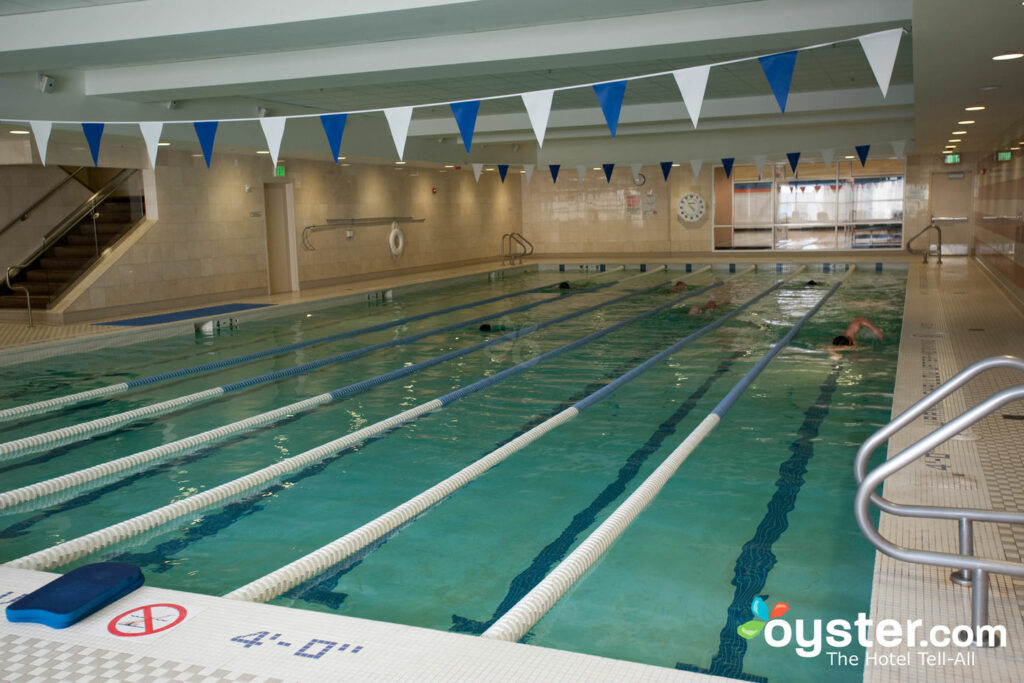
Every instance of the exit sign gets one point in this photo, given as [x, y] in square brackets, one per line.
[951, 159]
[279, 171]
[1003, 156]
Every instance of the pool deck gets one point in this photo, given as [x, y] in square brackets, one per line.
[954, 315]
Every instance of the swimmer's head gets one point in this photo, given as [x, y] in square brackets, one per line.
[710, 305]
[842, 340]
[485, 327]
[695, 310]
[564, 285]
[811, 283]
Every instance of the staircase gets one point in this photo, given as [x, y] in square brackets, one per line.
[70, 249]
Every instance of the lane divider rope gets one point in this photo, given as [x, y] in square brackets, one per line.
[522, 616]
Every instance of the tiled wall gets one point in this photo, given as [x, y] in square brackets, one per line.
[618, 217]
[999, 205]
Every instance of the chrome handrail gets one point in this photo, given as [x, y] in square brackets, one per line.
[525, 244]
[24, 214]
[927, 250]
[335, 223]
[973, 570]
[15, 288]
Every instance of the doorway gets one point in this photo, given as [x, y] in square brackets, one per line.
[282, 258]
[951, 204]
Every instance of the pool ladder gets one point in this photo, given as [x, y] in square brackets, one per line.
[927, 251]
[971, 570]
[515, 238]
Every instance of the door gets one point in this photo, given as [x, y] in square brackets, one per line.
[282, 258]
[951, 196]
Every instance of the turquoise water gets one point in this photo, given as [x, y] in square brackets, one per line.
[661, 595]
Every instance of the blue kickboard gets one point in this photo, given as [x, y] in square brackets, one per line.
[77, 594]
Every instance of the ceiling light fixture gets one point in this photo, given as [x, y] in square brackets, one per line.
[449, 166]
[848, 156]
[954, 140]
[163, 144]
[977, 107]
[19, 132]
[263, 151]
[399, 163]
[965, 123]
[1008, 56]
[959, 132]
[341, 158]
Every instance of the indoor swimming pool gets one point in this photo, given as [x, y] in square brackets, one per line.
[762, 507]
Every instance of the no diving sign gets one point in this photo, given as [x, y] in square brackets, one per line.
[147, 620]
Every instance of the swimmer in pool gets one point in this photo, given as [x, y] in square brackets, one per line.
[849, 337]
[487, 327]
[679, 286]
[811, 283]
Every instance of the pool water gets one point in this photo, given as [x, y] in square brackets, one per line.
[763, 507]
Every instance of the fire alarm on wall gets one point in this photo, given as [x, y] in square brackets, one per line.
[433, 190]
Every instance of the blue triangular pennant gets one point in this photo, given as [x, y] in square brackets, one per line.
[862, 152]
[502, 171]
[778, 69]
[666, 168]
[206, 131]
[554, 172]
[608, 171]
[610, 96]
[334, 127]
[727, 165]
[794, 159]
[93, 133]
[465, 115]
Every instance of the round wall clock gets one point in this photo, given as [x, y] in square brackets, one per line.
[691, 207]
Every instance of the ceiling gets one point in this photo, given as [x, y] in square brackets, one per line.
[127, 61]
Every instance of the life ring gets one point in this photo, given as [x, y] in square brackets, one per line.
[396, 240]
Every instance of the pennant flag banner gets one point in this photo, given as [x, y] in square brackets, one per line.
[528, 170]
[610, 95]
[828, 155]
[93, 133]
[334, 128]
[581, 172]
[41, 132]
[636, 168]
[794, 159]
[692, 83]
[206, 131]
[151, 135]
[554, 172]
[476, 171]
[759, 161]
[862, 152]
[538, 106]
[898, 146]
[880, 49]
[503, 171]
[465, 115]
[727, 165]
[398, 121]
[273, 131]
[608, 171]
[695, 165]
[666, 168]
[778, 69]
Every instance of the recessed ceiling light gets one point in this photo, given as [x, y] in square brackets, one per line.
[676, 165]
[399, 163]
[965, 123]
[488, 169]
[19, 132]
[1007, 56]
[197, 155]
[989, 88]
[263, 151]
[346, 164]
[977, 107]
[341, 158]
[848, 156]
[954, 140]
[449, 166]
[959, 132]
[523, 171]
[163, 144]
[1015, 148]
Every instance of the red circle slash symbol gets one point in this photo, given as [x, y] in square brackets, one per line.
[147, 620]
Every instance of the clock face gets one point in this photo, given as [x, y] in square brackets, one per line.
[691, 207]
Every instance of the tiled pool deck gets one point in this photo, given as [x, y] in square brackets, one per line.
[954, 315]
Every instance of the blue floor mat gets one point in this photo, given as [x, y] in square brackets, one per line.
[184, 315]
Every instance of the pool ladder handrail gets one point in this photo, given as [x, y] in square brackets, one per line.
[927, 250]
[524, 244]
[972, 570]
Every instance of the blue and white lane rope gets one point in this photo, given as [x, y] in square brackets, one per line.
[135, 461]
[522, 616]
[59, 402]
[308, 566]
[68, 551]
[83, 430]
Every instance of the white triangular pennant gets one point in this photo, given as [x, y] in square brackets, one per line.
[636, 168]
[538, 106]
[476, 171]
[581, 171]
[828, 156]
[398, 120]
[41, 132]
[695, 164]
[899, 146]
[528, 169]
[273, 131]
[880, 49]
[692, 83]
[759, 161]
[151, 135]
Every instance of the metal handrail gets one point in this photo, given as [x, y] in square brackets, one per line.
[335, 223]
[927, 251]
[24, 214]
[973, 570]
[15, 288]
[525, 244]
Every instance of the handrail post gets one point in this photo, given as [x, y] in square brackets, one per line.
[979, 610]
[963, 576]
[28, 294]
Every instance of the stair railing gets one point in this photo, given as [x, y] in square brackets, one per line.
[971, 570]
[35, 205]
